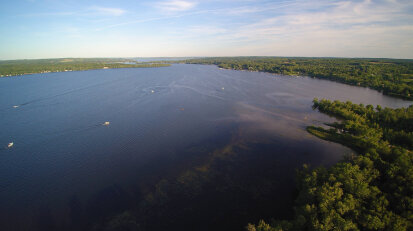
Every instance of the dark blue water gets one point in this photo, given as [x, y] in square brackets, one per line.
[157, 116]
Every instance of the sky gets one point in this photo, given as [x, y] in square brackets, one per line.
[32, 29]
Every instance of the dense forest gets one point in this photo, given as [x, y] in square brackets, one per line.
[22, 67]
[369, 191]
[390, 76]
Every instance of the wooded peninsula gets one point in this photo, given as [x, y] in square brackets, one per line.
[369, 191]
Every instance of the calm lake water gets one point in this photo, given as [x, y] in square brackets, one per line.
[163, 121]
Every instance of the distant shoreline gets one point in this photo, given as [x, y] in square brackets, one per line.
[14, 68]
[393, 77]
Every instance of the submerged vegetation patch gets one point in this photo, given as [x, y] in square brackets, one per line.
[225, 187]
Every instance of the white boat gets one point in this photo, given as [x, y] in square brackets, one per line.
[10, 145]
[106, 123]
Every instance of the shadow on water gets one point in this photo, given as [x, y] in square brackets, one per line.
[108, 202]
[45, 220]
[77, 214]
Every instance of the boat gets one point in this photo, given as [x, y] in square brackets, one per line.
[106, 123]
[10, 145]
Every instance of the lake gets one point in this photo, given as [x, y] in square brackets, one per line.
[227, 133]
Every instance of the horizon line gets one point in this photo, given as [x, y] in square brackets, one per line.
[224, 56]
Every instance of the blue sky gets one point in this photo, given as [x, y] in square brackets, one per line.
[132, 28]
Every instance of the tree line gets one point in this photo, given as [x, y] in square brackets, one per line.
[391, 76]
[21, 67]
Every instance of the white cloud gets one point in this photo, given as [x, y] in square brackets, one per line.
[345, 29]
[108, 11]
[175, 5]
